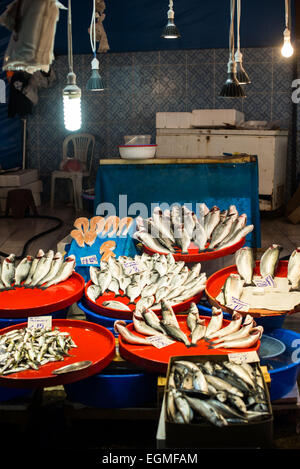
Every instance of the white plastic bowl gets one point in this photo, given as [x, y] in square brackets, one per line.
[137, 152]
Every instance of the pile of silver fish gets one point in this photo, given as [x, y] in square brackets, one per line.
[41, 271]
[178, 227]
[152, 278]
[24, 349]
[237, 334]
[216, 392]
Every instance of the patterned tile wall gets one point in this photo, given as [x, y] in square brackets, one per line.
[139, 84]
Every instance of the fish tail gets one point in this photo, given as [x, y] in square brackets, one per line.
[295, 288]
[192, 345]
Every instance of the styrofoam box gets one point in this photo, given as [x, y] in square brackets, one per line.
[36, 187]
[216, 117]
[173, 120]
[18, 178]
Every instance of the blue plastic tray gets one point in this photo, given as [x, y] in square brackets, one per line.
[6, 322]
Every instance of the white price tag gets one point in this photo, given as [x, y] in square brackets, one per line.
[160, 341]
[238, 305]
[40, 322]
[132, 267]
[245, 357]
[267, 281]
[89, 260]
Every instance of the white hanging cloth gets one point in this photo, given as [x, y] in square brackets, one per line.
[33, 26]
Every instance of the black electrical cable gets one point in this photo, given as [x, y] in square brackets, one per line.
[44, 217]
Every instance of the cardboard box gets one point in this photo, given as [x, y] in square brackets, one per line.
[255, 434]
[173, 120]
[216, 117]
[18, 178]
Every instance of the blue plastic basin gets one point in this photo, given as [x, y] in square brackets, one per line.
[110, 391]
[7, 322]
[98, 319]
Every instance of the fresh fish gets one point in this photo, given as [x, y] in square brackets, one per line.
[236, 237]
[176, 268]
[188, 221]
[242, 332]
[163, 223]
[133, 291]
[211, 220]
[182, 238]
[42, 268]
[120, 327]
[112, 304]
[234, 326]
[115, 267]
[223, 215]
[238, 403]
[199, 236]
[147, 239]
[187, 382]
[171, 407]
[124, 281]
[245, 342]
[142, 327]
[207, 411]
[192, 317]
[22, 270]
[232, 288]
[34, 264]
[175, 292]
[220, 232]
[269, 260]
[152, 320]
[240, 372]
[175, 216]
[56, 264]
[222, 385]
[293, 274]
[64, 272]
[144, 303]
[149, 290]
[8, 270]
[1, 283]
[152, 229]
[237, 224]
[161, 266]
[161, 293]
[104, 279]
[168, 314]
[225, 410]
[199, 331]
[182, 406]
[215, 322]
[199, 382]
[72, 367]
[93, 292]
[245, 264]
[114, 286]
[170, 259]
[175, 332]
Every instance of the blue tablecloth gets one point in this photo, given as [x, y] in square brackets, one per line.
[220, 184]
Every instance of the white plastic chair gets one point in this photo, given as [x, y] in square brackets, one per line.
[81, 144]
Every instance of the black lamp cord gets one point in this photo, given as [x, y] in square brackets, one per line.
[25, 247]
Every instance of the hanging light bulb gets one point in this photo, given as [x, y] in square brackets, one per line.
[71, 93]
[287, 49]
[241, 74]
[170, 31]
[95, 81]
[232, 88]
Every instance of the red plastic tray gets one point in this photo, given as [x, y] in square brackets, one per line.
[97, 306]
[195, 256]
[25, 302]
[156, 360]
[94, 343]
[216, 281]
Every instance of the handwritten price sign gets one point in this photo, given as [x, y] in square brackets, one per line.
[40, 322]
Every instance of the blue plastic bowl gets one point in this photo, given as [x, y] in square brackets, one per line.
[7, 322]
[98, 319]
[114, 391]
[283, 378]
[7, 394]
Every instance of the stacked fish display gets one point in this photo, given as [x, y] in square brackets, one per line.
[24, 349]
[149, 278]
[237, 334]
[216, 392]
[177, 228]
[41, 271]
[238, 284]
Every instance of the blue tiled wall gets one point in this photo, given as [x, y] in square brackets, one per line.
[139, 84]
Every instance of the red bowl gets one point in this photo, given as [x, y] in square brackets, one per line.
[157, 360]
[216, 281]
[97, 307]
[195, 256]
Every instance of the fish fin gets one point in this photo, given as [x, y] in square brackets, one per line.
[192, 345]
